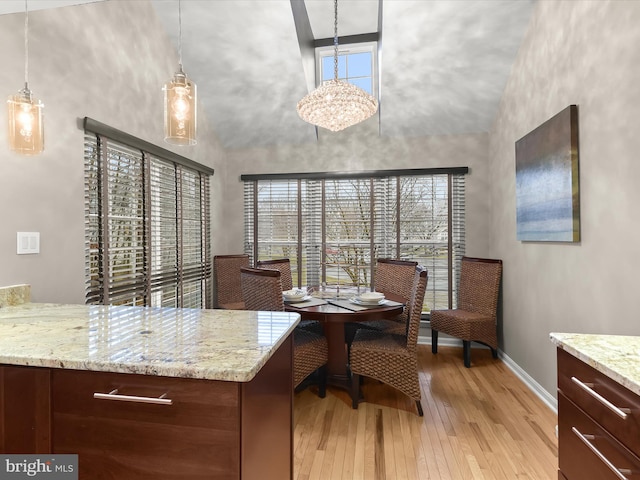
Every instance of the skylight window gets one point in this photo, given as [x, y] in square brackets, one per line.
[356, 64]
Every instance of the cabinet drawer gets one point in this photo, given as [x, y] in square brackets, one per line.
[192, 434]
[579, 381]
[578, 460]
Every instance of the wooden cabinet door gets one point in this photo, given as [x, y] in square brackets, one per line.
[195, 436]
[25, 410]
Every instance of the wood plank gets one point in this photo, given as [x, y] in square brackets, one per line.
[479, 423]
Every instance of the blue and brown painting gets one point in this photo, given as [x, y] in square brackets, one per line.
[547, 187]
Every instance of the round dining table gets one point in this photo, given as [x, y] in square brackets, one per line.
[333, 319]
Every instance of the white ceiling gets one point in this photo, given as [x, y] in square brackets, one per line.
[444, 63]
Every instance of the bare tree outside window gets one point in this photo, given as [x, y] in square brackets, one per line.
[334, 229]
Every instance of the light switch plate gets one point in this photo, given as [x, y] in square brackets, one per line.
[28, 243]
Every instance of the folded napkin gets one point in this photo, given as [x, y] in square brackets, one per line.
[312, 302]
[356, 308]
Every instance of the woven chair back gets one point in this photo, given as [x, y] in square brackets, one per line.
[479, 285]
[283, 265]
[261, 289]
[395, 276]
[227, 272]
[417, 299]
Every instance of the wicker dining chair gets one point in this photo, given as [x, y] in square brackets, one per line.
[227, 272]
[281, 264]
[395, 277]
[389, 357]
[262, 290]
[475, 319]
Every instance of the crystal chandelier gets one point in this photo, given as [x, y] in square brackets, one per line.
[180, 102]
[336, 104]
[26, 127]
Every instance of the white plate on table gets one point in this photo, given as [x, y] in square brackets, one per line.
[297, 300]
[359, 301]
[370, 296]
[295, 294]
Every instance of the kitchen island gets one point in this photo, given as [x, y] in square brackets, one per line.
[141, 393]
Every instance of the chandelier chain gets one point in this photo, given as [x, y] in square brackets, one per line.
[336, 104]
[335, 39]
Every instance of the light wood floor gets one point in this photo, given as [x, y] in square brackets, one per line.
[479, 423]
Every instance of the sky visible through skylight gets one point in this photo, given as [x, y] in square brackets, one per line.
[355, 68]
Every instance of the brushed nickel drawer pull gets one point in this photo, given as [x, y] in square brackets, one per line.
[114, 395]
[588, 387]
[586, 439]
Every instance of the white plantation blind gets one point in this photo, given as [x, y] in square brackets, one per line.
[163, 211]
[116, 224]
[275, 219]
[431, 213]
[334, 226]
[147, 228]
[194, 264]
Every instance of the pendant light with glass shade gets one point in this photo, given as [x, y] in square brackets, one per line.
[336, 104]
[180, 102]
[26, 126]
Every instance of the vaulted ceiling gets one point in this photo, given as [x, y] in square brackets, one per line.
[443, 63]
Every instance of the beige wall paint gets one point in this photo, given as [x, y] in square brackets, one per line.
[96, 60]
[584, 53]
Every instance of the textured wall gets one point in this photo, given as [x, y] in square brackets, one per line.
[583, 53]
[96, 60]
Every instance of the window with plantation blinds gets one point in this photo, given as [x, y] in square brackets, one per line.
[334, 226]
[147, 226]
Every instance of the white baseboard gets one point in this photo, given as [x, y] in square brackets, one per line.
[446, 342]
[548, 399]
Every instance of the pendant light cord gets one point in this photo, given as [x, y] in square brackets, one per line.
[335, 40]
[180, 34]
[26, 46]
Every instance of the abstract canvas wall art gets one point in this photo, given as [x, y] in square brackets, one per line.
[547, 181]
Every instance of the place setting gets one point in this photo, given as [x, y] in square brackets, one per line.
[369, 299]
[365, 300]
[301, 298]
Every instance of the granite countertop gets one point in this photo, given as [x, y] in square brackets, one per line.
[230, 345]
[616, 356]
